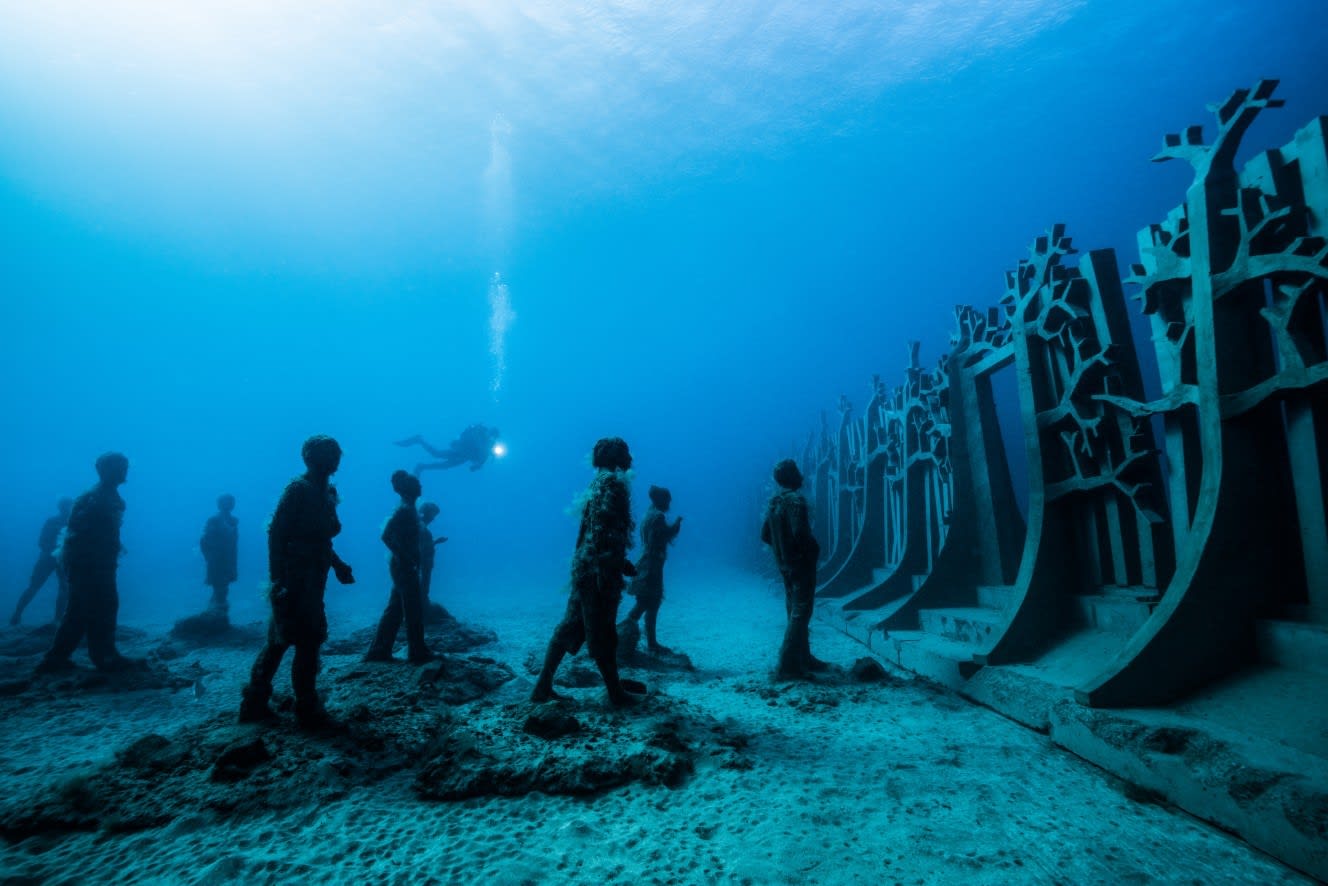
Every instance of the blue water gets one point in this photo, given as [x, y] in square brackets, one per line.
[224, 228]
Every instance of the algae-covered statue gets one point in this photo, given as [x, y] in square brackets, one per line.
[787, 529]
[47, 565]
[433, 612]
[598, 567]
[299, 545]
[90, 556]
[648, 587]
[476, 444]
[406, 601]
[220, 546]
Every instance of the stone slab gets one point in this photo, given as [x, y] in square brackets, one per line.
[995, 596]
[1273, 797]
[1123, 615]
[1293, 644]
[1018, 695]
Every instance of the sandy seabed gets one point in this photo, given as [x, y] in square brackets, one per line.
[896, 782]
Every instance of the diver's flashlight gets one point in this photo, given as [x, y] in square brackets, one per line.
[499, 450]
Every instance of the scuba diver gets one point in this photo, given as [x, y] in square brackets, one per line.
[476, 444]
[46, 565]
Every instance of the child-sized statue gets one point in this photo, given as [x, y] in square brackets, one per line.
[648, 587]
[434, 613]
[787, 529]
[46, 564]
[299, 547]
[598, 567]
[402, 537]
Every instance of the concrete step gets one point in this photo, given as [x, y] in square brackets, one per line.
[995, 596]
[1118, 614]
[1142, 593]
[975, 626]
[1305, 613]
[860, 624]
[1298, 645]
[944, 661]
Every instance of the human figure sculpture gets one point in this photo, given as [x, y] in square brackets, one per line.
[787, 529]
[47, 564]
[220, 546]
[299, 542]
[433, 612]
[598, 567]
[406, 601]
[90, 557]
[648, 586]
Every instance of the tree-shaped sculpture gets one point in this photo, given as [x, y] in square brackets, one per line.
[1233, 284]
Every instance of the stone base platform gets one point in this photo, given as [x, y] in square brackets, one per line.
[1248, 754]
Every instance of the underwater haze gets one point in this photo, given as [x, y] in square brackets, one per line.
[226, 226]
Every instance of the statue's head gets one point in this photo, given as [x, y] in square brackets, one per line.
[611, 454]
[321, 454]
[428, 511]
[112, 468]
[406, 484]
[226, 503]
[787, 474]
[660, 497]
